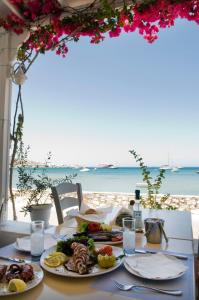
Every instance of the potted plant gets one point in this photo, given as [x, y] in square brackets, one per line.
[153, 199]
[35, 184]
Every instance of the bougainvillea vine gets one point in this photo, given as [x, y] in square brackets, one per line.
[51, 26]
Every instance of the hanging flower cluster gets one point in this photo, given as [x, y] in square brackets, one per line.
[51, 26]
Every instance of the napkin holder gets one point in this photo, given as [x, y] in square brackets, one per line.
[154, 230]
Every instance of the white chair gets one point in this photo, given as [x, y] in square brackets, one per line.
[62, 201]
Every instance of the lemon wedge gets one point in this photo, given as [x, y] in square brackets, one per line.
[16, 285]
[56, 253]
[63, 257]
[53, 261]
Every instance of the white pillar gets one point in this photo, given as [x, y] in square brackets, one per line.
[8, 46]
[5, 101]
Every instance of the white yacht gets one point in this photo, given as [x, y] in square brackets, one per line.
[165, 167]
[175, 169]
[84, 170]
[104, 166]
[113, 167]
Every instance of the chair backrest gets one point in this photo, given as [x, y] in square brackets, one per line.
[62, 201]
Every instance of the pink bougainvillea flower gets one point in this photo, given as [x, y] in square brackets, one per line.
[115, 32]
[146, 18]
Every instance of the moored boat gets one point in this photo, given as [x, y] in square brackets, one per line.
[84, 170]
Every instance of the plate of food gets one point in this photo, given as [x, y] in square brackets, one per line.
[100, 232]
[19, 278]
[79, 257]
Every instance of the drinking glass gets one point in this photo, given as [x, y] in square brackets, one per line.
[37, 238]
[129, 236]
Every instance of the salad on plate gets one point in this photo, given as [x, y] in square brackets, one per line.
[79, 255]
[99, 232]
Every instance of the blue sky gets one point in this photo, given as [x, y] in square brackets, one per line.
[102, 100]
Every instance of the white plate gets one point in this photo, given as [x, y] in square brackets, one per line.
[38, 277]
[95, 271]
[110, 243]
[134, 272]
[21, 249]
[49, 240]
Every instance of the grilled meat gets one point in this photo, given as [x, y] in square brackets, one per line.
[27, 273]
[24, 272]
[3, 269]
[13, 272]
[78, 263]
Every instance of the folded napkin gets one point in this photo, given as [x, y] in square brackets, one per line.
[72, 213]
[156, 266]
[23, 244]
[86, 209]
[105, 215]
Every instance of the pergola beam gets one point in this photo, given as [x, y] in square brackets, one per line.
[83, 3]
[12, 8]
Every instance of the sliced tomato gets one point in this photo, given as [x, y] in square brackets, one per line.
[93, 227]
[106, 250]
[117, 238]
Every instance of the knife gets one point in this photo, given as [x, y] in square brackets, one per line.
[16, 260]
[153, 252]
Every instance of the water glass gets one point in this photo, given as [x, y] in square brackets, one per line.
[129, 236]
[37, 238]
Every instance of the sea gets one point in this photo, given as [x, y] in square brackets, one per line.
[124, 179]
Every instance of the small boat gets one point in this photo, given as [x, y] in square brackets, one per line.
[197, 172]
[175, 169]
[104, 166]
[165, 167]
[113, 167]
[85, 170]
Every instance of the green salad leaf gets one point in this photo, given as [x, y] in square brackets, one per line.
[83, 227]
[91, 245]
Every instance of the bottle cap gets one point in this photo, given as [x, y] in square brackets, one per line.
[137, 194]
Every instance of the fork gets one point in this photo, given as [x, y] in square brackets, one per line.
[127, 287]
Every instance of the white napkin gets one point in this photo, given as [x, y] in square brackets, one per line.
[85, 207]
[157, 266]
[105, 215]
[72, 213]
[23, 244]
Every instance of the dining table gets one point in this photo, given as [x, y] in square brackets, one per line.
[178, 228]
